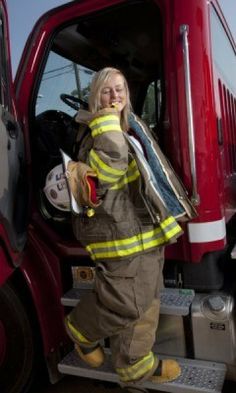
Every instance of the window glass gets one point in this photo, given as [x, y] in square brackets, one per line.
[223, 54]
[152, 104]
[61, 76]
[4, 96]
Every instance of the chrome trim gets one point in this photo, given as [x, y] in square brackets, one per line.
[184, 31]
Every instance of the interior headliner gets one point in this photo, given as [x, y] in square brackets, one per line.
[116, 37]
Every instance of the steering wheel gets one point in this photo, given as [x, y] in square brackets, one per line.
[73, 102]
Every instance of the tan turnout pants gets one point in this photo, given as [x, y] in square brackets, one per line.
[124, 306]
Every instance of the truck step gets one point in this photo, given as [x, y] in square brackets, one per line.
[173, 301]
[197, 376]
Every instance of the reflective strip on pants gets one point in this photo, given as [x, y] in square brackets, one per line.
[138, 369]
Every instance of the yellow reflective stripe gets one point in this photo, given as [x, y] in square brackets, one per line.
[107, 123]
[104, 171]
[138, 369]
[172, 232]
[76, 333]
[135, 244]
[100, 176]
[109, 169]
[125, 252]
[102, 119]
[108, 128]
[126, 180]
[133, 164]
[130, 240]
[167, 221]
[127, 241]
[131, 175]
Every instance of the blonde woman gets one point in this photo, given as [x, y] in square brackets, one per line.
[136, 213]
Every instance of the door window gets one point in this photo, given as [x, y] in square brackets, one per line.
[4, 93]
[62, 76]
[152, 107]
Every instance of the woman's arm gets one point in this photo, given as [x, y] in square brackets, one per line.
[109, 155]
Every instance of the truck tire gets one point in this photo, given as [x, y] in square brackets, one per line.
[17, 357]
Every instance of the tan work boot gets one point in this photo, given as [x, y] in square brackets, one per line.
[166, 371]
[90, 352]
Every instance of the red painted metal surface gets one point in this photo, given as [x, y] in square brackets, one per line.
[195, 14]
[8, 258]
[41, 270]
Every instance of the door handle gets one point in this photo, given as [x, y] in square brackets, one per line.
[12, 129]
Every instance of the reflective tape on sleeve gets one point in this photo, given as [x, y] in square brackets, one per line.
[104, 172]
[108, 123]
[131, 175]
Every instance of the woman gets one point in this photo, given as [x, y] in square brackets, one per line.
[138, 198]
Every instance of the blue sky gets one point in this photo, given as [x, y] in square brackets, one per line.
[24, 13]
[22, 16]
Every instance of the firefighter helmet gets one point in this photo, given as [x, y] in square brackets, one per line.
[56, 189]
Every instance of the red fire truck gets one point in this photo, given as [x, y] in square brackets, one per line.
[180, 61]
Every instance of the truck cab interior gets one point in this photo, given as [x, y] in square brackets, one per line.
[114, 37]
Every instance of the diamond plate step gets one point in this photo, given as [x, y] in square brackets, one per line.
[197, 376]
[173, 301]
[176, 301]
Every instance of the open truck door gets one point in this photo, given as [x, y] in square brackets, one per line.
[14, 327]
[13, 197]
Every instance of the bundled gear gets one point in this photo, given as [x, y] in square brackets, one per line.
[71, 186]
[135, 216]
[156, 170]
[81, 181]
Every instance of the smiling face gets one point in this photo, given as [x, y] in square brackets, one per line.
[114, 92]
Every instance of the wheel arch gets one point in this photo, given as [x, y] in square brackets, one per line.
[21, 357]
[48, 354]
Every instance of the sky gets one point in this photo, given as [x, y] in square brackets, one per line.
[24, 13]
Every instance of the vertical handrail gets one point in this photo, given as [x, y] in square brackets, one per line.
[184, 30]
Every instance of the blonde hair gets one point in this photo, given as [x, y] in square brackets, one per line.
[98, 81]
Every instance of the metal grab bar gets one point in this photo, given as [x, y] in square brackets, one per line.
[184, 30]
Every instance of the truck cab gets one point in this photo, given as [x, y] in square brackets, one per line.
[164, 48]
